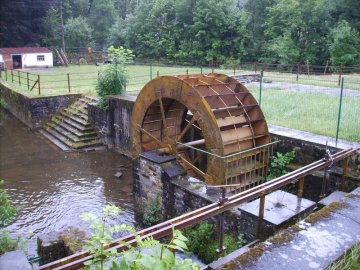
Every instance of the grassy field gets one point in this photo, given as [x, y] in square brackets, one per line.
[311, 112]
[316, 113]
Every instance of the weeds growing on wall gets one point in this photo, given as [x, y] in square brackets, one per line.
[203, 244]
[278, 164]
[152, 213]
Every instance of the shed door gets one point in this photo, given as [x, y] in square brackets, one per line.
[17, 63]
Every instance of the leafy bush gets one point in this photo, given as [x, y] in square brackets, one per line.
[112, 77]
[152, 213]
[279, 163]
[7, 215]
[7, 212]
[148, 253]
[7, 244]
[203, 244]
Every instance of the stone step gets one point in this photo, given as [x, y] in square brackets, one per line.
[92, 144]
[76, 112]
[76, 125]
[75, 131]
[69, 135]
[55, 141]
[76, 119]
[71, 128]
[58, 136]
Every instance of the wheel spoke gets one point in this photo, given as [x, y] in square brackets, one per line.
[150, 135]
[187, 127]
[192, 166]
[163, 116]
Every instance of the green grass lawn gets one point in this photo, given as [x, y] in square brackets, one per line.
[311, 112]
[315, 113]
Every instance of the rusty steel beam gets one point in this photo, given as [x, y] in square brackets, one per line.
[163, 229]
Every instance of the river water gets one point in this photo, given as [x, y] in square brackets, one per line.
[51, 188]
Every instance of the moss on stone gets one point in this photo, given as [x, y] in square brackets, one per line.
[252, 254]
[325, 212]
[352, 196]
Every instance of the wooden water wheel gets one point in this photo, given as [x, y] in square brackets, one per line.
[199, 118]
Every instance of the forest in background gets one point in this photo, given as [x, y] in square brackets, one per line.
[227, 31]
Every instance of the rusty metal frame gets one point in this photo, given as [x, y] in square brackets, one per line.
[163, 229]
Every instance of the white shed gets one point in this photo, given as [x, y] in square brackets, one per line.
[26, 57]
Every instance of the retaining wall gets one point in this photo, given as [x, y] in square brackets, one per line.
[33, 111]
[113, 124]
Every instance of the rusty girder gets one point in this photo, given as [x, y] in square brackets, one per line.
[213, 112]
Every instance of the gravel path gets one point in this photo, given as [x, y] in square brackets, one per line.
[308, 88]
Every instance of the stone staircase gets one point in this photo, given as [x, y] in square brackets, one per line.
[70, 129]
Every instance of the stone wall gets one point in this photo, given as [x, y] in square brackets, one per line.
[33, 111]
[113, 124]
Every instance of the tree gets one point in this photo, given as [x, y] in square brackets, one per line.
[102, 17]
[78, 33]
[117, 33]
[80, 8]
[217, 30]
[52, 36]
[303, 25]
[345, 45]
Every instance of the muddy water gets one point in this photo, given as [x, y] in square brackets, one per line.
[51, 188]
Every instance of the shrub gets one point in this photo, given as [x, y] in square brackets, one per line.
[148, 253]
[278, 164]
[7, 212]
[152, 213]
[112, 77]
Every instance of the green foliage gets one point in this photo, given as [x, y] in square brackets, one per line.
[152, 213]
[351, 260]
[7, 212]
[203, 244]
[102, 17]
[3, 103]
[78, 33]
[7, 244]
[102, 234]
[148, 253]
[345, 45]
[112, 77]
[52, 37]
[279, 163]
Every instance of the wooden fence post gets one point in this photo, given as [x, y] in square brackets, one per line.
[39, 83]
[12, 76]
[19, 77]
[27, 79]
[68, 78]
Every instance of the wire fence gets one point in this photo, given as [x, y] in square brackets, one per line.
[302, 97]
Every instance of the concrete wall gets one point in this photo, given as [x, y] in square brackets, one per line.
[113, 124]
[33, 111]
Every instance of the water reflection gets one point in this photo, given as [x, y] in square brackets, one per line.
[51, 188]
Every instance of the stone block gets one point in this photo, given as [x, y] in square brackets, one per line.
[280, 208]
[14, 260]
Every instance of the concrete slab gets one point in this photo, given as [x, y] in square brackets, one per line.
[14, 260]
[310, 246]
[280, 206]
[306, 136]
[333, 197]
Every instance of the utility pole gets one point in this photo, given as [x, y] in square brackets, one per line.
[62, 27]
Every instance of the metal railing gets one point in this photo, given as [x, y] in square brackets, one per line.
[166, 228]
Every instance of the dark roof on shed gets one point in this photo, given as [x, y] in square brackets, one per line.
[24, 50]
